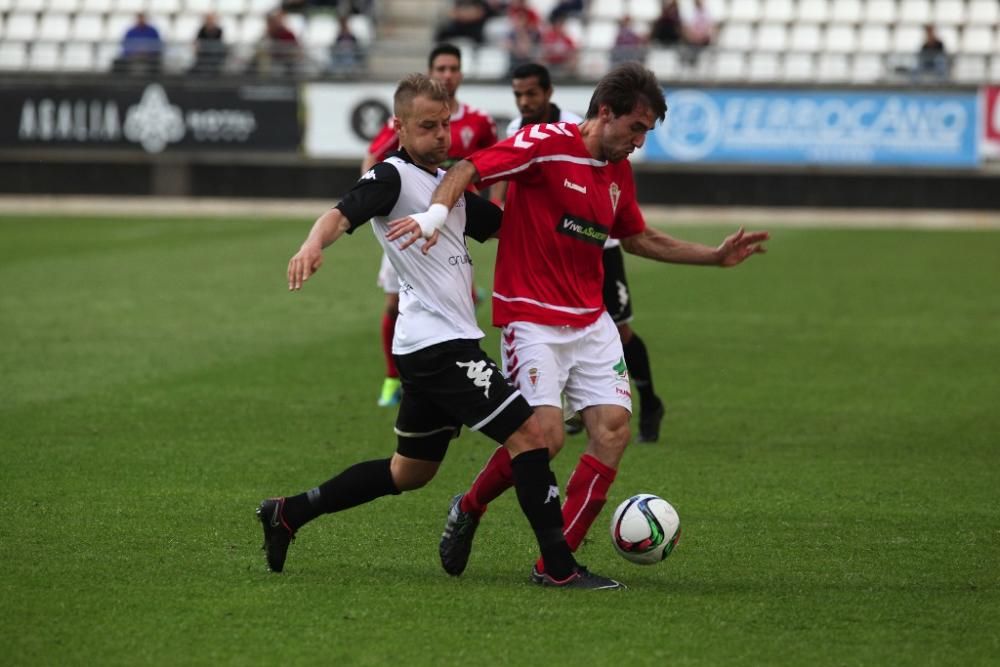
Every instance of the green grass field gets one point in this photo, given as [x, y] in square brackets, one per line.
[831, 445]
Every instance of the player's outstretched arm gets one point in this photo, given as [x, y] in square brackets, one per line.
[427, 224]
[327, 229]
[654, 244]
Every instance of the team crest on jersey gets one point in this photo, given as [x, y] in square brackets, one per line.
[533, 377]
[466, 134]
[615, 194]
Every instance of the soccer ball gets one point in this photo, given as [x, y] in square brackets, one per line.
[645, 529]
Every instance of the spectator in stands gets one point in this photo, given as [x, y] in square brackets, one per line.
[520, 9]
[629, 45]
[698, 32]
[278, 53]
[210, 51]
[347, 56]
[932, 59]
[523, 41]
[559, 51]
[142, 49]
[667, 29]
[465, 21]
[567, 8]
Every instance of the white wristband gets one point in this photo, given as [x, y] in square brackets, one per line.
[431, 220]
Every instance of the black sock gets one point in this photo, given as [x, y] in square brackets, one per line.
[637, 360]
[357, 485]
[538, 494]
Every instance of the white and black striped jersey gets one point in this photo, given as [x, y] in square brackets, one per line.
[435, 290]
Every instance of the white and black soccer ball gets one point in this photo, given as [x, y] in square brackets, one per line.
[645, 529]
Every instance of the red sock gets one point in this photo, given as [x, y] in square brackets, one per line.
[388, 328]
[586, 493]
[496, 477]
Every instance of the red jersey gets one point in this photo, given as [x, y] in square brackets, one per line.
[471, 130]
[562, 205]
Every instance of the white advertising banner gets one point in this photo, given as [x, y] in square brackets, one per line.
[341, 119]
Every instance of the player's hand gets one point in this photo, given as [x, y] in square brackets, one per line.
[400, 228]
[739, 246]
[303, 264]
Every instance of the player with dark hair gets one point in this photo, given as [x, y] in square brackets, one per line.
[532, 88]
[471, 129]
[571, 188]
[449, 381]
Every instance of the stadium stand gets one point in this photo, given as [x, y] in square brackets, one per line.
[828, 41]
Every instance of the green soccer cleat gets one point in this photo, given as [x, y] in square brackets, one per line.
[392, 391]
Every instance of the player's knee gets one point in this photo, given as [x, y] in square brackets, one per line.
[532, 435]
[411, 474]
[611, 436]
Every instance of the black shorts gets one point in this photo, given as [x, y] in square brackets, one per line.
[448, 385]
[617, 298]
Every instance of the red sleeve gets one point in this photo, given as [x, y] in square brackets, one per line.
[384, 143]
[513, 159]
[628, 217]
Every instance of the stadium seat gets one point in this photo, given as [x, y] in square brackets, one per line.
[21, 27]
[881, 12]
[164, 24]
[129, 6]
[96, 6]
[949, 12]
[117, 25]
[251, 29]
[729, 66]
[840, 38]
[262, 7]
[644, 11]
[747, 11]
[321, 31]
[297, 24]
[906, 39]
[777, 11]
[977, 40]
[915, 12]
[798, 67]
[665, 63]
[496, 29]
[77, 57]
[198, 7]
[87, 28]
[13, 55]
[736, 37]
[984, 12]
[832, 68]
[361, 26]
[969, 69]
[994, 74]
[771, 37]
[593, 64]
[106, 54]
[813, 11]
[608, 9]
[846, 11]
[764, 67]
[29, 5]
[165, 6]
[600, 35]
[231, 7]
[491, 62]
[867, 68]
[874, 39]
[53, 27]
[64, 6]
[186, 27]
[44, 57]
[806, 37]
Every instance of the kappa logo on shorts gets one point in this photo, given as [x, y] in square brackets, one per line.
[479, 373]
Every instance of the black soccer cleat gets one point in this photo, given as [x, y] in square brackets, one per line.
[277, 534]
[649, 423]
[581, 578]
[456, 541]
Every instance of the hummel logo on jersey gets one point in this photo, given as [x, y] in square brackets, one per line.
[479, 373]
[553, 494]
[573, 186]
[585, 230]
[369, 175]
[541, 131]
